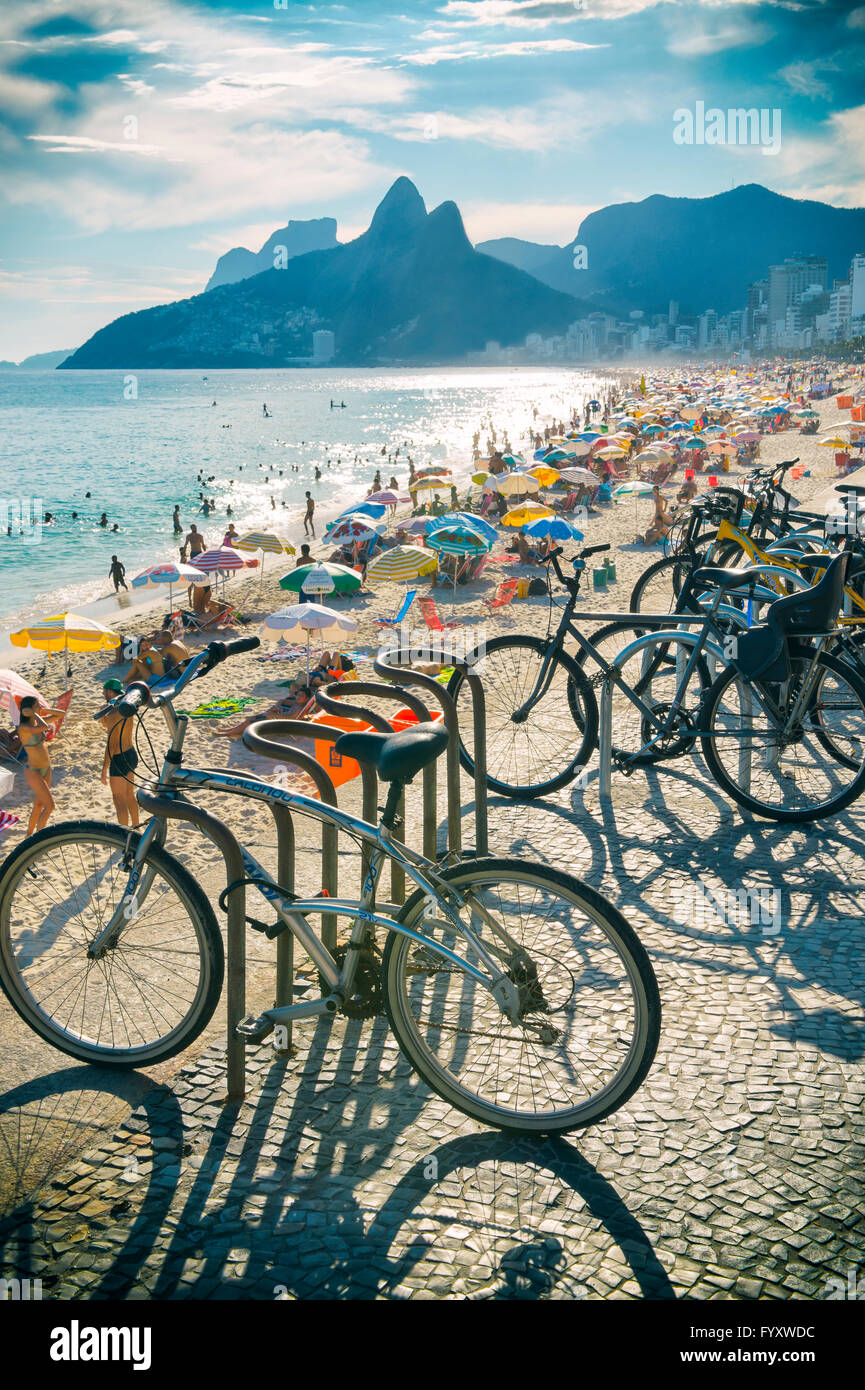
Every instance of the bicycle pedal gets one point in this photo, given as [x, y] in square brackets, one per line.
[254, 1030]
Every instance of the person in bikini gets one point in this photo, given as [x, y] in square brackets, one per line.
[33, 730]
[120, 759]
[661, 521]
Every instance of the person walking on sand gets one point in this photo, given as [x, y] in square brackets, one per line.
[308, 520]
[116, 572]
[33, 731]
[120, 759]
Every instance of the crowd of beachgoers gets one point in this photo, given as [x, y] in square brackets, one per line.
[432, 548]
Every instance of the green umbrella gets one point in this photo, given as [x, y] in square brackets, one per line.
[345, 580]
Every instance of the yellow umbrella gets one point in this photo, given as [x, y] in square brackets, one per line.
[833, 443]
[531, 511]
[545, 476]
[66, 632]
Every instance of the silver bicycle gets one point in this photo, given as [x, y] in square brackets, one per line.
[517, 992]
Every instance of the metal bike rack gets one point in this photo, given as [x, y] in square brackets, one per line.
[403, 675]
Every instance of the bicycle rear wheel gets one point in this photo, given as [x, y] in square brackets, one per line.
[591, 1014]
[547, 749]
[791, 774]
[152, 991]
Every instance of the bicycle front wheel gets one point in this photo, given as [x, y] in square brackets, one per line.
[785, 771]
[546, 749]
[153, 989]
[590, 1009]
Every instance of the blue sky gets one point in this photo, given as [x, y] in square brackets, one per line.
[139, 139]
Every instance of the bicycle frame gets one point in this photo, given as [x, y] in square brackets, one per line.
[441, 895]
[756, 554]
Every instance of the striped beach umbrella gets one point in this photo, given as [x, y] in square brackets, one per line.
[265, 541]
[469, 519]
[169, 573]
[66, 632]
[402, 562]
[219, 561]
[516, 482]
[342, 579]
[300, 620]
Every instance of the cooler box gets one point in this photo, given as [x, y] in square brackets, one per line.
[341, 769]
[522, 588]
[843, 402]
[857, 412]
[7, 782]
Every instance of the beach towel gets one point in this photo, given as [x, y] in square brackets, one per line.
[218, 709]
[7, 819]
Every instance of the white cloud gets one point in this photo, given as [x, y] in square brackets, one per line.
[462, 52]
[82, 144]
[802, 77]
[701, 41]
[809, 168]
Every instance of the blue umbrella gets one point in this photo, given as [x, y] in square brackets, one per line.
[373, 509]
[475, 523]
[554, 526]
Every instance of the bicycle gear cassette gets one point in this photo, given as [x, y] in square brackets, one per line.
[368, 998]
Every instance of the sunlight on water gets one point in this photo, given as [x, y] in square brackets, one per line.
[63, 434]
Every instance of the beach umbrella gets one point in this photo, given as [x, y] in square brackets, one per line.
[611, 451]
[380, 499]
[339, 577]
[300, 620]
[458, 539]
[579, 475]
[169, 573]
[219, 561]
[14, 687]
[266, 542]
[511, 483]
[836, 443]
[414, 524]
[554, 527]
[531, 511]
[746, 437]
[545, 476]
[355, 528]
[469, 519]
[480, 478]
[66, 632]
[369, 508]
[402, 562]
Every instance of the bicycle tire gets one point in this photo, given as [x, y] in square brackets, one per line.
[751, 803]
[169, 961]
[501, 687]
[677, 566]
[406, 968]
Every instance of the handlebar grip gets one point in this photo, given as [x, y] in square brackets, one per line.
[137, 695]
[595, 550]
[242, 644]
[218, 651]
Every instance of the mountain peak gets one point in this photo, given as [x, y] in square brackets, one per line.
[401, 209]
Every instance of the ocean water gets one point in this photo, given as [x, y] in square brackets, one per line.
[137, 443]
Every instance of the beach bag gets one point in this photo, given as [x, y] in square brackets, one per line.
[537, 586]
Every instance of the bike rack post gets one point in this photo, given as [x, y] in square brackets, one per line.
[605, 739]
[284, 991]
[398, 675]
[256, 739]
[331, 699]
[228, 846]
[479, 729]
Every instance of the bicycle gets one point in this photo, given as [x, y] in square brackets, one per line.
[517, 992]
[772, 702]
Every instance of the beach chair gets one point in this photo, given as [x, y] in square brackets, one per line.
[430, 615]
[505, 594]
[208, 622]
[567, 504]
[400, 617]
[485, 504]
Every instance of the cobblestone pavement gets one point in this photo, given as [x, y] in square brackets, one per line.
[734, 1172]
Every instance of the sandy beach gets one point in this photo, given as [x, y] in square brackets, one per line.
[77, 753]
